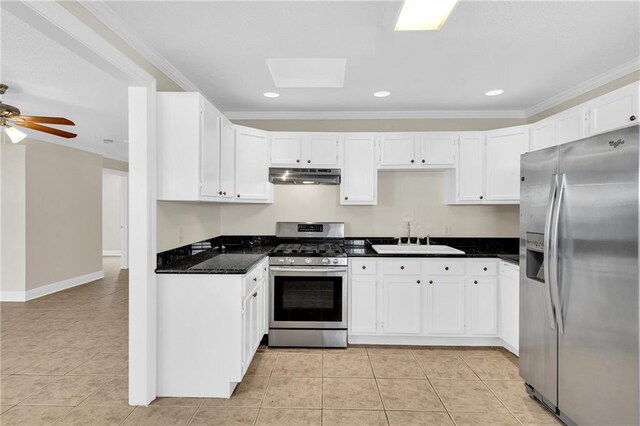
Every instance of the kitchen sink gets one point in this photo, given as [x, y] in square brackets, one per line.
[414, 249]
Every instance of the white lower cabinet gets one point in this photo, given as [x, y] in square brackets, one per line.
[484, 306]
[401, 304]
[509, 300]
[364, 308]
[445, 306]
[413, 298]
[209, 328]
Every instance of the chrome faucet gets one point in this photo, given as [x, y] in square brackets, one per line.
[408, 232]
[428, 239]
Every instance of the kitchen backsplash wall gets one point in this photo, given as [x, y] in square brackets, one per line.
[400, 196]
[181, 223]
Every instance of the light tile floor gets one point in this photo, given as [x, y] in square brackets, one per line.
[63, 360]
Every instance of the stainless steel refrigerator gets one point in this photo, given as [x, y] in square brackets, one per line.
[579, 317]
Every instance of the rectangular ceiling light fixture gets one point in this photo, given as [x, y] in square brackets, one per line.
[307, 72]
[423, 15]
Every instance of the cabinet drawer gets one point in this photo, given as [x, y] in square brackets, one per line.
[483, 268]
[363, 267]
[445, 267]
[251, 280]
[400, 267]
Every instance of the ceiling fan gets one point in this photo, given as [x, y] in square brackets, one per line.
[10, 117]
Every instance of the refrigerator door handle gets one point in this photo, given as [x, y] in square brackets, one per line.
[547, 250]
[553, 265]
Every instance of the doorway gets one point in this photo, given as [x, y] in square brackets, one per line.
[115, 229]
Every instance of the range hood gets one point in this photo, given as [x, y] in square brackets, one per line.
[286, 176]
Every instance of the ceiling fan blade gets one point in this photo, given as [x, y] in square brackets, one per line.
[46, 120]
[46, 129]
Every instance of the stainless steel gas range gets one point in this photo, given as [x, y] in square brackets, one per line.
[308, 286]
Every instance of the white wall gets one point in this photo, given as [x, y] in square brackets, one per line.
[191, 220]
[111, 213]
[421, 193]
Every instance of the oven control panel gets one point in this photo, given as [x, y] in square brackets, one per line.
[310, 227]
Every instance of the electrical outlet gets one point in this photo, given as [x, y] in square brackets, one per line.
[180, 234]
[446, 230]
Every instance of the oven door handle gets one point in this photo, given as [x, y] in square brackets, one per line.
[332, 269]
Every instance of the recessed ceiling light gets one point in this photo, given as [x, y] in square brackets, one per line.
[382, 94]
[422, 15]
[271, 94]
[494, 92]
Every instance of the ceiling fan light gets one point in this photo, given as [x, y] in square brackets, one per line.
[14, 134]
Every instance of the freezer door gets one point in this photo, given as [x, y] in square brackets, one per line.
[598, 280]
[538, 336]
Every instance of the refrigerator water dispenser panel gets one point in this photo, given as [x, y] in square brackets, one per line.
[535, 256]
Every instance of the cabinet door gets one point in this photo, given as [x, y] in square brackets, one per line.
[471, 168]
[286, 149]
[359, 174]
[227, 158]
[247, 332]
[543, 134]
[320, 150]
[504, 148]
[509, 291]
[445, 305]
[484, 306]
[210, 151]
[401, 305]
[364, 308]
[438, 150]
[397, 150]
[252, 157]
[571, 125]
[614, 110]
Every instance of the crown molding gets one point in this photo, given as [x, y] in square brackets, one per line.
[582, 88]
[377, 115]
[107, 16]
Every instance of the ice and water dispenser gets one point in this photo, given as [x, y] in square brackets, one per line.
[535, 256]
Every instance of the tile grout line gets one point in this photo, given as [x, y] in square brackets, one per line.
[375, 380]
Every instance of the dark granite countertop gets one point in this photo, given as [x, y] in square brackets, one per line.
[238, 254]
[511, 258]
[221, 255]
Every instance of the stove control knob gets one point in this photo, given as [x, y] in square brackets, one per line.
[325, 261]
[291, 260]
[335, 261]
[307, 260]
[281, 260]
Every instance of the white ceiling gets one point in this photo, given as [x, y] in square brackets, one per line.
[532, 50]
[45, 78]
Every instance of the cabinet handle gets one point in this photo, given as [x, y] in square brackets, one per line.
[308, 161]
[401, 267]
[475, 282]
[224, 193]
[632, 118]
[265, 269]
[219, 192]
[481, 197]
[484, 269]
[297, 161]
[255, 278]
[364, 267]
[255, 294]
[430, 281]
[446, 268]
[412, 161]
[418, 281]
[346, 198]
[238, 195]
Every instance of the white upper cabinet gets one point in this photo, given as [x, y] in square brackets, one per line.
[252, 159]
[571, 125]
[543, 134]
[438, 149]
[210, 164]
[471, 168]
[227, 159]
[293, 149]
[188, 147]
[405, 151]
[504, 148]
[286, 149]
[397, 150]
[359, 184]
[614, 110]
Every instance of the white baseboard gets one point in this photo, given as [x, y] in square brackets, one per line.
[23, 296]
[111, 253]
[425, 340]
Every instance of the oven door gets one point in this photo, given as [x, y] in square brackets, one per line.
[312, 298]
